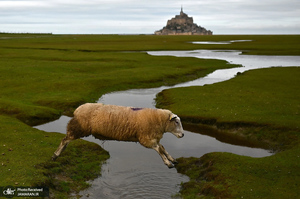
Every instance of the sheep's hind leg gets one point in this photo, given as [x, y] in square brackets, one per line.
[62, 146]
[160, 150]
[173, 160]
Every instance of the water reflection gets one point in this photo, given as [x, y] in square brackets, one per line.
[247, 62]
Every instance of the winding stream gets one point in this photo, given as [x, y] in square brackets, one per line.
[136, 172]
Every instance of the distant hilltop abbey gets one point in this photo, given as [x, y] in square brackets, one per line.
[182, 25]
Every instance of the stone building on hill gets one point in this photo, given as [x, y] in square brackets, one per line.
[182, 25]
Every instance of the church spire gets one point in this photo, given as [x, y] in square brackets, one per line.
[181, 12]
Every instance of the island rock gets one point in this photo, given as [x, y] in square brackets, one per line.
[182, 25]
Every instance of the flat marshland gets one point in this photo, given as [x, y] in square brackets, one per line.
[45, 76]
[261, 106]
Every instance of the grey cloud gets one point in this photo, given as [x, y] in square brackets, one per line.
[132, 16]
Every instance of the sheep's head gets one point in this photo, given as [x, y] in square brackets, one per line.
[174, 126]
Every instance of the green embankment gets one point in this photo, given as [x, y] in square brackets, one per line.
[261, 105]
[44, 76]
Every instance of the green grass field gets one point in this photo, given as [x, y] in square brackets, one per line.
[261, 105]
[44, 76]
[265, 96]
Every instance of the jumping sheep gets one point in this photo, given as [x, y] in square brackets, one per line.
[111, 122]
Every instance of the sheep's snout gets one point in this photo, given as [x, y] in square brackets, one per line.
[178, 135]
[181, 135]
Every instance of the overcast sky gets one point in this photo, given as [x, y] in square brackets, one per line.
[146, 16]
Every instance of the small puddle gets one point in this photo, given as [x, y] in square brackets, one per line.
[136, 172]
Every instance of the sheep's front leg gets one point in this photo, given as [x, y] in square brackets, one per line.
[160, 150]
[167, 154]
[62, 146]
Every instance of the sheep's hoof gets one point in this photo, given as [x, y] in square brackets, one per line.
[174, 162]
[54, 157]
[170, 166]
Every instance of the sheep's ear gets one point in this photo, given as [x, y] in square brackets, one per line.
[173, 116]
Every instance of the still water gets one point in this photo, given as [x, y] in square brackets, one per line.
[136, 172]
